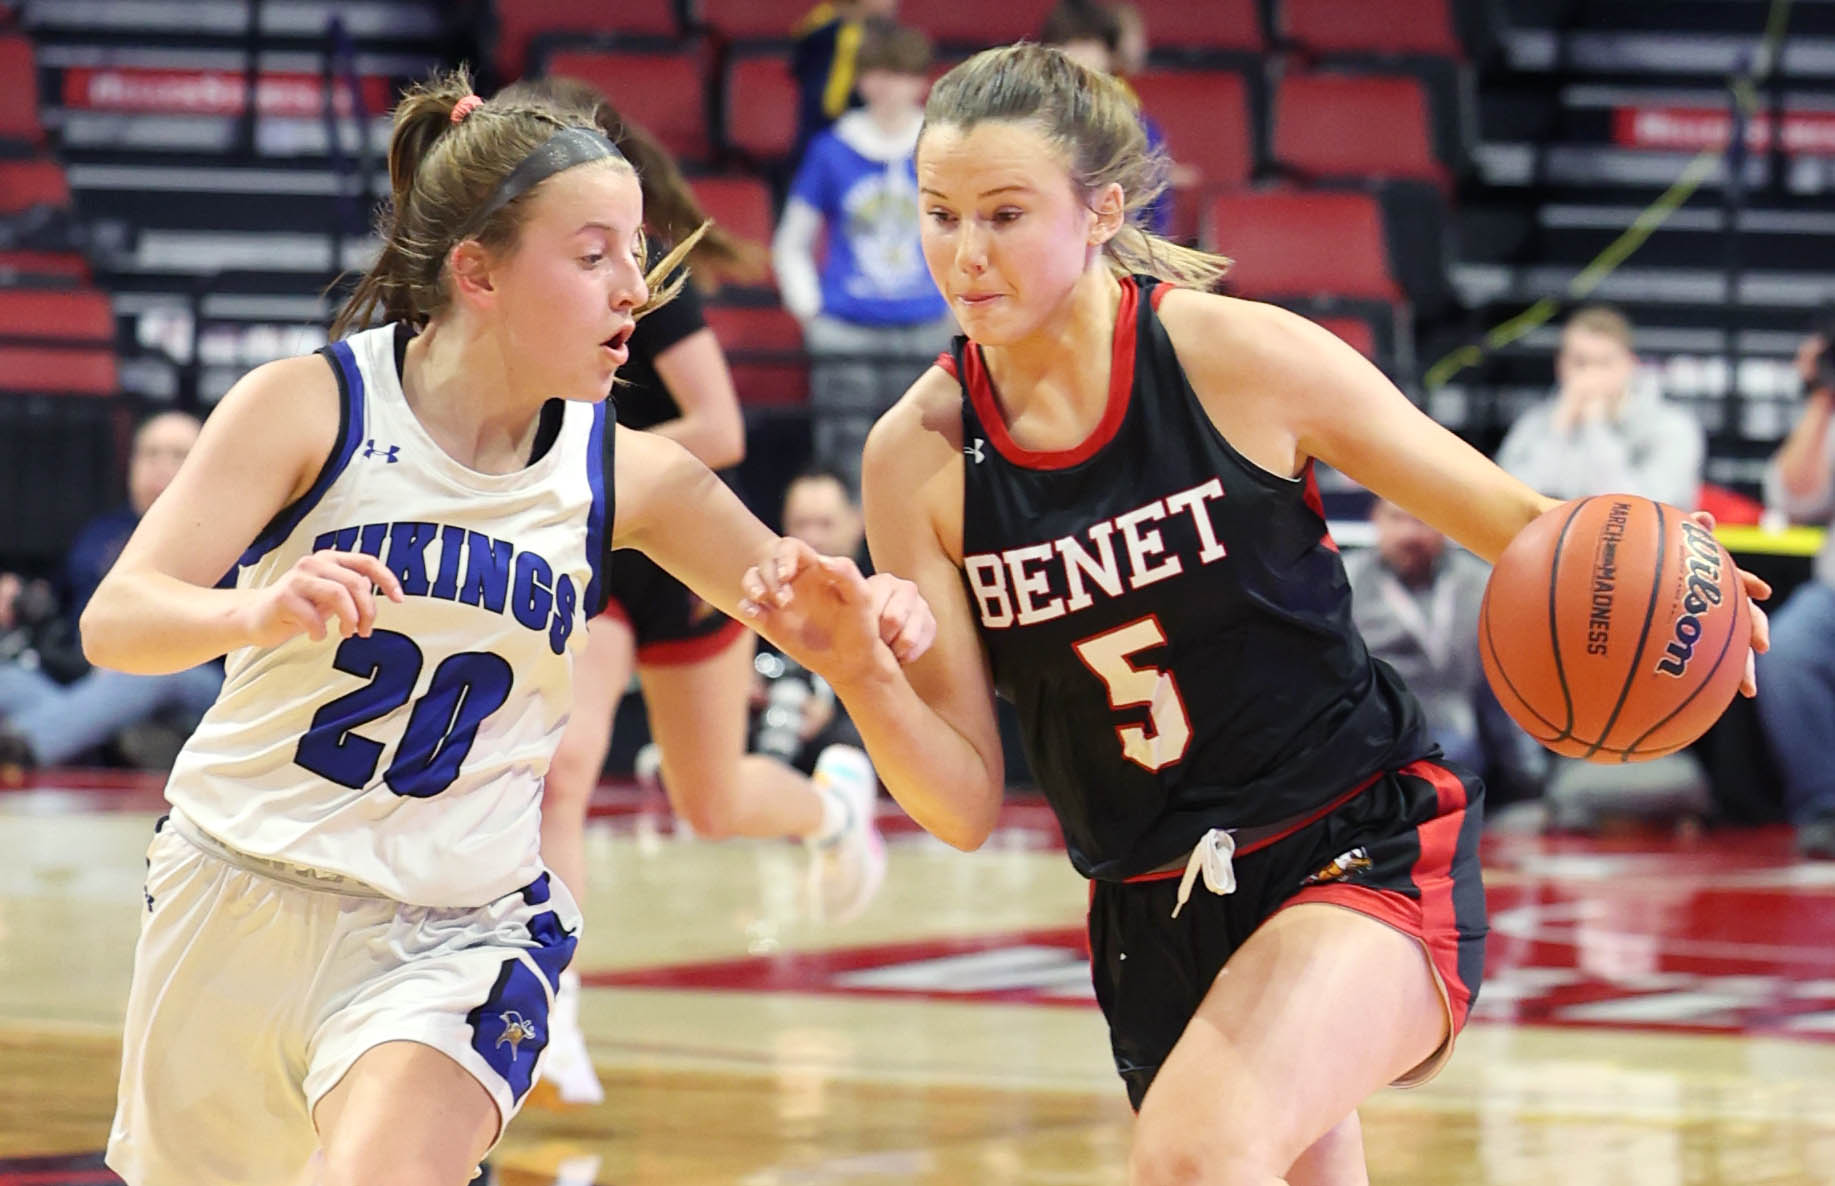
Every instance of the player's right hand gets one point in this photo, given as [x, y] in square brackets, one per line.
[319, 588]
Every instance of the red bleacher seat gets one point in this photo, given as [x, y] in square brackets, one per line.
[1323, 127]
[740, 204]
[760, 105]
[1295, 244]
[978, 23]
[72, 370]
[63, 314]
[31, 183]
[1355, 331]
[662, 91]
[1210, 24]
[764, 347]
[19, 92]
[521, 22]
[1365, 27]
[42, 266]
[1205, 116]
[754, 20]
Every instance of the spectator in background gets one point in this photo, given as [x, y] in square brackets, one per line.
[820, 509]
[53, 706]
[1797, 678]
[872, 318]
[1102, 38]
[1608, 429]
[1416, 602]
[795, 713]
[823, 63]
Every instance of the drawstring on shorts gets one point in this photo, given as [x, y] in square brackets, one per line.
[1210, 856]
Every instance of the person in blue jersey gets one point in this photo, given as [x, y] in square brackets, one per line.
[847, 255]
[351, 944]
[1105, 493]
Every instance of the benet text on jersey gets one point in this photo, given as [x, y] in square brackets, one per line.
[1036, 583]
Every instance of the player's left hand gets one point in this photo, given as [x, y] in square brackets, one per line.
[1757, 590]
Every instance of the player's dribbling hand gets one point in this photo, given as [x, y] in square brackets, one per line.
[1757, 590]
[318, 588]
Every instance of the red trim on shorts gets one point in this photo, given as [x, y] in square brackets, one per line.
[1262, 842]
[676, 652]
[1317, 505]
[1121, 384]
[1430, 918]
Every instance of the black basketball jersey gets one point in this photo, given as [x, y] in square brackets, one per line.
[642, 398]
[1172, 621]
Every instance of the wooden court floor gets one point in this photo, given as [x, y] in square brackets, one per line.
[1657, 1012]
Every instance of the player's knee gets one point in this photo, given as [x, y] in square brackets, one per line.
[1191, 1163]
[355, 1170]
[708, 808]
[1177, 1148]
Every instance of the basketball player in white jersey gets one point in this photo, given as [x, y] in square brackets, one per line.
[351, 944]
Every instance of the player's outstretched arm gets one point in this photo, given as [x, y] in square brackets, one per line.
[678, 513]
[930, 725]
[157, 610]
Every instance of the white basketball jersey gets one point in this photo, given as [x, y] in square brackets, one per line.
[412, 760]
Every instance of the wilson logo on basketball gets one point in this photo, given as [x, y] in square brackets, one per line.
[1605, 577]
[1703, 593]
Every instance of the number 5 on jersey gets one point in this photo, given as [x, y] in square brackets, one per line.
[1107, 654]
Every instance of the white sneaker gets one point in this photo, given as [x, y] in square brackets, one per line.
[846, 870]
[568, 1077]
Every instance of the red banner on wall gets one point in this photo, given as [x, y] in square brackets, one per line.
[1691, 129]
[210, 92]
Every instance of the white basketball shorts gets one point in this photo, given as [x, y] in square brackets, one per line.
[257, 984]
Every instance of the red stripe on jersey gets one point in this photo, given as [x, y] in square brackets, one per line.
[1121, 384]
[947, 361]
[1317, 504]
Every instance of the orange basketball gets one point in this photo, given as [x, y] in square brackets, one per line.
[1614, 629]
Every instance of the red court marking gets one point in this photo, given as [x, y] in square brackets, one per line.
[1726, 934]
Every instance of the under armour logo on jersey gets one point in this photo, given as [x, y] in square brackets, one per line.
[516, 1031]
[389, 454]
[974, 450]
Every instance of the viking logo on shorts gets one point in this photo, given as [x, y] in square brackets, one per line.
[516, 1031]
[1355, 861]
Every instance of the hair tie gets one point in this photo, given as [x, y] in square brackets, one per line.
[465, 107]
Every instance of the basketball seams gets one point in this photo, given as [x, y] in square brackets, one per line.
[1497, 665]
[1554, 622]
[1643, 638]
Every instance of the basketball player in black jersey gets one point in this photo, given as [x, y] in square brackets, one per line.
[1105, 491]
[693, 662]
